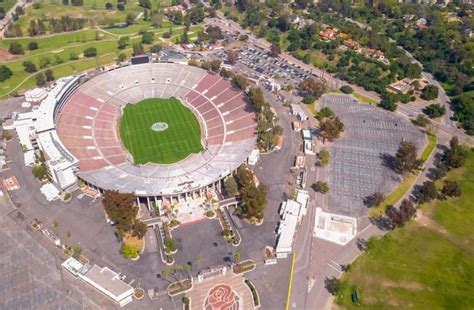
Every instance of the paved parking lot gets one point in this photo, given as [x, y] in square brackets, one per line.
[357, 168]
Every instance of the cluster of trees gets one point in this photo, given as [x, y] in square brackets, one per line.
[268, 130]
[66, 23]
[398, 217]
[122, 211]
[330, 125]
[434, 110]
[254, 198]
[37, 27]
[463, 105]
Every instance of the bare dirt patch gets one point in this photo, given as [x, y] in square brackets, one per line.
[6, 56]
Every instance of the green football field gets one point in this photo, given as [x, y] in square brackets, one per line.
[160, 145]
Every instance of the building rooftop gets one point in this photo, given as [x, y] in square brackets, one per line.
[107, 279]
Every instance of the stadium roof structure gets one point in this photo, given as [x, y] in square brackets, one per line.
[87, 126]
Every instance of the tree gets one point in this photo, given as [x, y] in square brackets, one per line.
[421, 120]
[90, 52]
[215, 65]
[49, 75]
[374, 200]
[324, 158]
[40, 79]
[40, 172]
[240, 82]
[333, 285]
[5, 73]
[456, 155]
[254, 198]
[156, 19]
[331, 129]
[406, 158]
[29, 66]
[232, 56]
[109, 6]
[76, 251]
[32, 45]
[231, 186]
[121, 209]
[139, 229]
[130, 19]
[388, 105]
[145, 4]
[325, 112]
[129, 251]
[170, 245]
[123, 42]
[321, 187]
[346, 89]
[434, 110]
[407, 210]
[426, 192]
[137, 49]
[2, 12]
[430, 92]
[15, 48]
[275, 49]
[311, 87]
[121, 57]
[148, 37]
[121, 7]
[451, 189]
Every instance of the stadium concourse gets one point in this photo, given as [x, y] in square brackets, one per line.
[87, 125]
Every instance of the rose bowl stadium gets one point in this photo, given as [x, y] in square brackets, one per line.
[156, 130]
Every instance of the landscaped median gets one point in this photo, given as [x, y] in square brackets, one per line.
[243, 267]
[407, 183]
[180, 287]
[255, 296]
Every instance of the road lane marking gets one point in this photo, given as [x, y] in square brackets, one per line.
[291, 281]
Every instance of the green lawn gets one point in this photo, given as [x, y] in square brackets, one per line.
[7, 4]
[418, 267]
[180, 139]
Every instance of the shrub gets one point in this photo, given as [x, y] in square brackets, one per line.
[90, 52]
[346, 89]
[15, 48]
[5, 73]
[32, 46]
[129, 251]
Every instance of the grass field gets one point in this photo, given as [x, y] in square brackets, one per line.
[182, 138]
[421, 266]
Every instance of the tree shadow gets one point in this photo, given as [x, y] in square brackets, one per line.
[382, 222]
[388, 160]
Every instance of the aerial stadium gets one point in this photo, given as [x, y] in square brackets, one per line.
[158, 130]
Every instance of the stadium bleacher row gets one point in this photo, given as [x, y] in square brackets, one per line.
[87, 125]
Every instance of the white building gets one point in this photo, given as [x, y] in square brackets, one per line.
[291, 212]
[36, 95]
[36, 130]
[298, 111]
[103, 279]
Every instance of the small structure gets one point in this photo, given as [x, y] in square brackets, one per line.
[103, 279]
[36, 95]
[140, 59]
[306, 133]
[50, 192]
[172, 56]
[335, 228]
[328, 35]
[351, 43]
[279, 143]
[253, 158]
[421, 23]
[300, 160]
[402, 86]
[296, 126]
[11, 184]
[297, 110]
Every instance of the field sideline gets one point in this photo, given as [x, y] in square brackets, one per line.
[180, 139]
